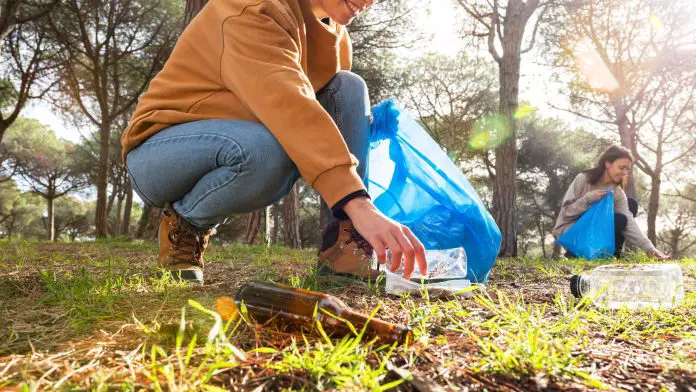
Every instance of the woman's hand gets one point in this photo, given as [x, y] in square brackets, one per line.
[595, 196]
[656, 254]
[382, 233]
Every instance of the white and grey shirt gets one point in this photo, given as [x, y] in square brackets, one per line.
[577, 200]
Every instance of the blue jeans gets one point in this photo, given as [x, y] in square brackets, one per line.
[211, 169]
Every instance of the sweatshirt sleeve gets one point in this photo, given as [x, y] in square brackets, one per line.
[632, 232]
[575, 203]
[262, 67]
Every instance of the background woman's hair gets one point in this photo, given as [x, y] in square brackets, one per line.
[611, 154]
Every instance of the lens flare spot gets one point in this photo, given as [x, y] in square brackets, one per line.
[655, 22]
[524, 110]
[592, 68]
[226, 308]
[489, 132]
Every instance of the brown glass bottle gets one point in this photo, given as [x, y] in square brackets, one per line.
[289, 308]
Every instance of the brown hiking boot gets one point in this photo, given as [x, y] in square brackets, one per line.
[181, 247]
[344, 252]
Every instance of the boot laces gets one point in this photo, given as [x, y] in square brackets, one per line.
[185, 245]
[360, 241]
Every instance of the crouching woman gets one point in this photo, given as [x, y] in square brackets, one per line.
[590, 186]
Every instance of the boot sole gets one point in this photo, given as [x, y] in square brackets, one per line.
[188, 276]
[326, 271]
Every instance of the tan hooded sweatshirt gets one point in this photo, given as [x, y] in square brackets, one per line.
[577, 200]
[260, 61]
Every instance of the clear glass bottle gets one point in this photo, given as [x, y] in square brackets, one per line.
[447, 272]
[443, 265]
[631, 285]
[288, 308]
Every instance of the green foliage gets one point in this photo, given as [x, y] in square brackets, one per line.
[376, 36]
[87, 297]
[23, 54]
[516, 335]
[96, 90]
[449, 95]
[45, 162]
[678, 232]
[549, 159]
[8, 93]
[20, 213]
[344, 365]
[521, 342]
[71, 217]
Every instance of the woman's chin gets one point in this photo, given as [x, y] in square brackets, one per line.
[342, 16]
[344, 20]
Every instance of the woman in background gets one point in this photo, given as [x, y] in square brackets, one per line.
[610, 174]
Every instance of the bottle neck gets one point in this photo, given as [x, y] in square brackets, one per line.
[579, 285]
[377, 328]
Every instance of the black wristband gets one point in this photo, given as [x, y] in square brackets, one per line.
[337, 209]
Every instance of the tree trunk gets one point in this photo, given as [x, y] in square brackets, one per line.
[128, 208]
[3, 125]
[556, 251]
[674, 243]
[654, 205]
[504, 203]
[143, 221]
[323, 222]
[627, 140]
[192, 9]
[323, 218]
[291, 218]
[117, 220]
[110, 202]
[276, 223]
[268, 232]
[253, 227]
[102, 180]
[542, 236]
[116, 190]
[523, 247]
[50, 202]
[148, 226]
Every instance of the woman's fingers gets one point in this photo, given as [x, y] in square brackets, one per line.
[380, 251]
[406, 249]
[395, 250]
[419, 250]
[383, 233]
[404, 245]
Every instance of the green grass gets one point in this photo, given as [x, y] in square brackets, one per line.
[95, 316]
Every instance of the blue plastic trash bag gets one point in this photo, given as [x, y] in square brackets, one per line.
[413, 181]
[592, 236]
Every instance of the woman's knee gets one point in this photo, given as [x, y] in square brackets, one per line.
[345, 98]
[632, 206]
[350, 80]
[352, 88]
[620, 222]
[271, 170]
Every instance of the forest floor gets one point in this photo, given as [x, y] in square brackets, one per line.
[76, 316]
